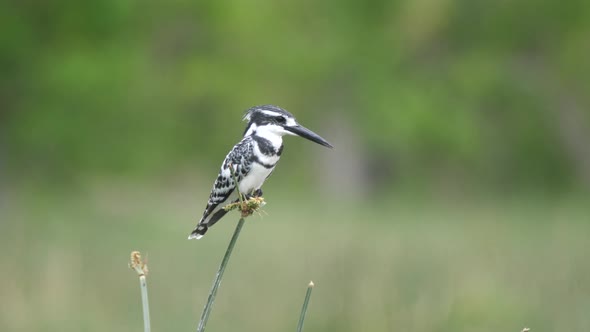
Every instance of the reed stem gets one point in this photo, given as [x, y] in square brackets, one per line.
[141, 268]
[304, 308]
[218, 277]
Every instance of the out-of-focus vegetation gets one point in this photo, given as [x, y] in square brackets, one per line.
[453, 200]
[493, 93]
[410, 266]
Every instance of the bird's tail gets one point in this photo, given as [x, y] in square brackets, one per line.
[205, 223]
[198, 232]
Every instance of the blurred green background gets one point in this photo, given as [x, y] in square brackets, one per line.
[456, 198]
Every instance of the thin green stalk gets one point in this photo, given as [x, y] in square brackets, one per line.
[145, 304]
[217, 281]
[304, 308]
[141, 268]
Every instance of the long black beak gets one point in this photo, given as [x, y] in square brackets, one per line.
[310, 135]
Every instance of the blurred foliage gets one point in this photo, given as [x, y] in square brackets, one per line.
[422, 93]
[404, 266]
[467, 88]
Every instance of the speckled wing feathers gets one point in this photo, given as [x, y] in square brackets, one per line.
[240, 159]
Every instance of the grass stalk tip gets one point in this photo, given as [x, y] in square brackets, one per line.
[140, 266]
[305, 304]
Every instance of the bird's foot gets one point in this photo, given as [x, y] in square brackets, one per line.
[254, 194]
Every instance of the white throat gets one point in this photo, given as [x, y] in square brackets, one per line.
[272, 133]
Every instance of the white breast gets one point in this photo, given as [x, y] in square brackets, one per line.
[255, 178]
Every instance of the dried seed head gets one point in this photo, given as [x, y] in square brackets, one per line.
[247, 207]
[137, 264]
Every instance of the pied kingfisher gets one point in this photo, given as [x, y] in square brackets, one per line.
[253, 159]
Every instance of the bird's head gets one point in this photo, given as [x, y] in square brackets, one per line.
[273, 120]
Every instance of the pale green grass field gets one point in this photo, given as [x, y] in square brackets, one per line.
[399, 265]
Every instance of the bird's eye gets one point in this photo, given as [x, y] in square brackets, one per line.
[281, 119]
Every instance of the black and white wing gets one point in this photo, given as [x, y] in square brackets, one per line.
[240, 160]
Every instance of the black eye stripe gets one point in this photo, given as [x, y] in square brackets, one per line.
[281, 119]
